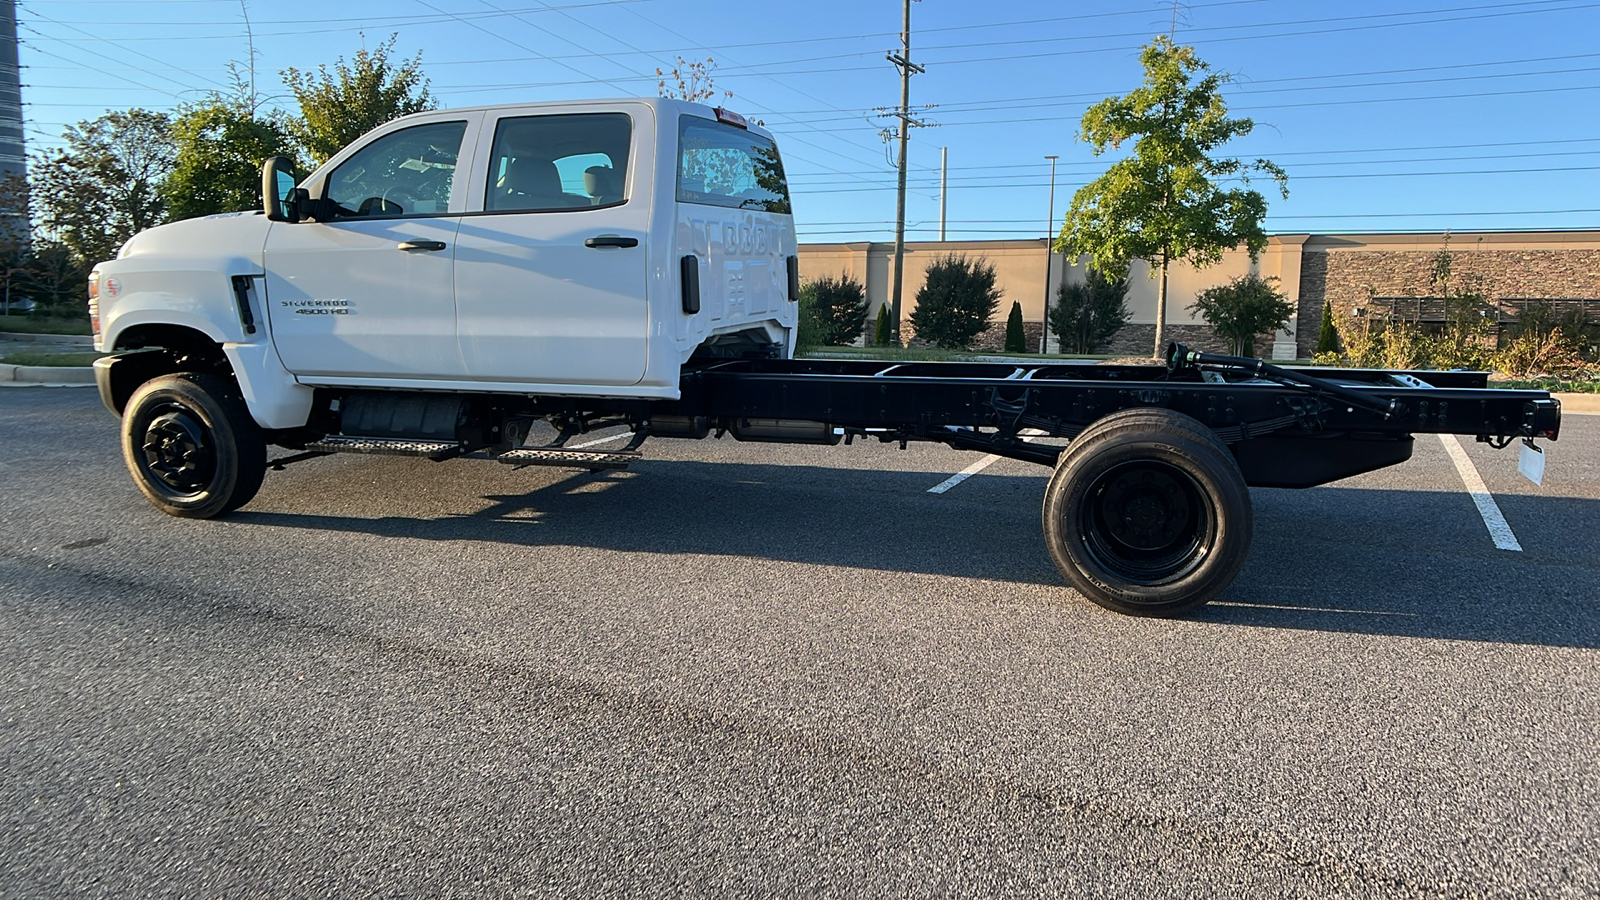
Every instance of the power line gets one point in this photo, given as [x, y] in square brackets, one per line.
[96, 39]
[1303, 165]
[642, 17]
[1290, 153]
[1046, 101]
[928, 224]
[1029, 185]
[1281, 106]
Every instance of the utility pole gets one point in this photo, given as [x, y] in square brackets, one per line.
[903, 61]
[944, 171]
[1049, 250]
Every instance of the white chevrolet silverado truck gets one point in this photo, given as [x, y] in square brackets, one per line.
[455, 278]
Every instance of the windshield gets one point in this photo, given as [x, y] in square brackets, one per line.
[723, 165]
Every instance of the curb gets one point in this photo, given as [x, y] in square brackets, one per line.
[1579, 404]
[51, 376]
[75, 340]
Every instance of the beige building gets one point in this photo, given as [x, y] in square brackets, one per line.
[1389, 271]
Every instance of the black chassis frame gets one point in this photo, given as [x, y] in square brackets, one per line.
[1287, 427]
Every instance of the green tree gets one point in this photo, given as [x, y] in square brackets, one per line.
[1086, 316]
[1243, 308]
[811, 330]
[105, 185]
[956, 301]
[220, 143]
[338, 106]
[841, 305]
[880, 329]
[1328, 335]
[16, 242]
[1162, 202]
[1468, 336]
[56, 275]
[1016, 338]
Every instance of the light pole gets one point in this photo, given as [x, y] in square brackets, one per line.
[1049, 240]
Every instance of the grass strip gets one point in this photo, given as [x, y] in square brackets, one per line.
[42, 358]
[43, 325]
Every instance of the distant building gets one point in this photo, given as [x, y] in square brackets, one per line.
[13, 150]
[1373, 273]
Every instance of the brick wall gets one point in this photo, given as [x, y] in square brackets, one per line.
[1139, 340]
[1348, 279]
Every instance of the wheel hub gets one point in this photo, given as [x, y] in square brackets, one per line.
[177, 453]
[1146, 521]
[1146, 510]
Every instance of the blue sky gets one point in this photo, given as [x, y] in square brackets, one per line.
[1403, 115]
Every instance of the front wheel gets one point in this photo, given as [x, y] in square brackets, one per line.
[1147, 513]
[192, 446]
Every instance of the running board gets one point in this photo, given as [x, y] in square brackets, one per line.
[594, 460]
[339, 443]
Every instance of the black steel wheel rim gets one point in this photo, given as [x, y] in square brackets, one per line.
[177, 451]
[1147, 522]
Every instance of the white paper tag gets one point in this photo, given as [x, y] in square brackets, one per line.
[1531, 462]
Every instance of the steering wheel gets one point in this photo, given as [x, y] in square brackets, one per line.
[400, 198]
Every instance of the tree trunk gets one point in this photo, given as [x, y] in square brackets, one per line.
[1161, 308]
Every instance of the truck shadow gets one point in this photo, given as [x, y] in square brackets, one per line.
[1341, 559]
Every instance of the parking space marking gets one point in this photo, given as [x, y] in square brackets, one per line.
[604, 440]
[1499, 528]
[1028, 434]
[964, 474]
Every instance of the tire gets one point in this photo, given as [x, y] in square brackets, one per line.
[191, 445]
[1147, 513]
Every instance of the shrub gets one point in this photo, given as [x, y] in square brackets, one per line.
[1403, 346]
[810, 329]
[1583, 333]
[1539, 353]
[1243, 308]
[1327, 336]
[956, 302]
[1382, 342]
[841, 308]
[1016, 338]
[1086, 316]
[1363, 343]
[1468, 337]
[880, 331]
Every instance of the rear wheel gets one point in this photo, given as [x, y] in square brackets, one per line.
[191, 445]
[1147, 513]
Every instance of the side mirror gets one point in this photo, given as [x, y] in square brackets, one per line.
[279, 196]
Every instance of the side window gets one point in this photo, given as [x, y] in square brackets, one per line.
[407, 173]
[554, 163]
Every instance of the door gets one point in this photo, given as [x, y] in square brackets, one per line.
[370, 293]
[550, 274]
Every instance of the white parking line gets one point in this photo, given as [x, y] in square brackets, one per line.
[964, 474]
[604, 440]
[1499, 528]
[979, 466]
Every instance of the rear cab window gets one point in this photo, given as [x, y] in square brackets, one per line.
[724, 165]
[555, 163]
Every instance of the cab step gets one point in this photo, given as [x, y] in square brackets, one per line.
[593, 460]
[377, 446]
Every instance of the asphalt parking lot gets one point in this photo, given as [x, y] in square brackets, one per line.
[765, 670]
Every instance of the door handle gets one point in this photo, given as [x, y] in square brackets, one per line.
[422, 245]
[611, 240]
